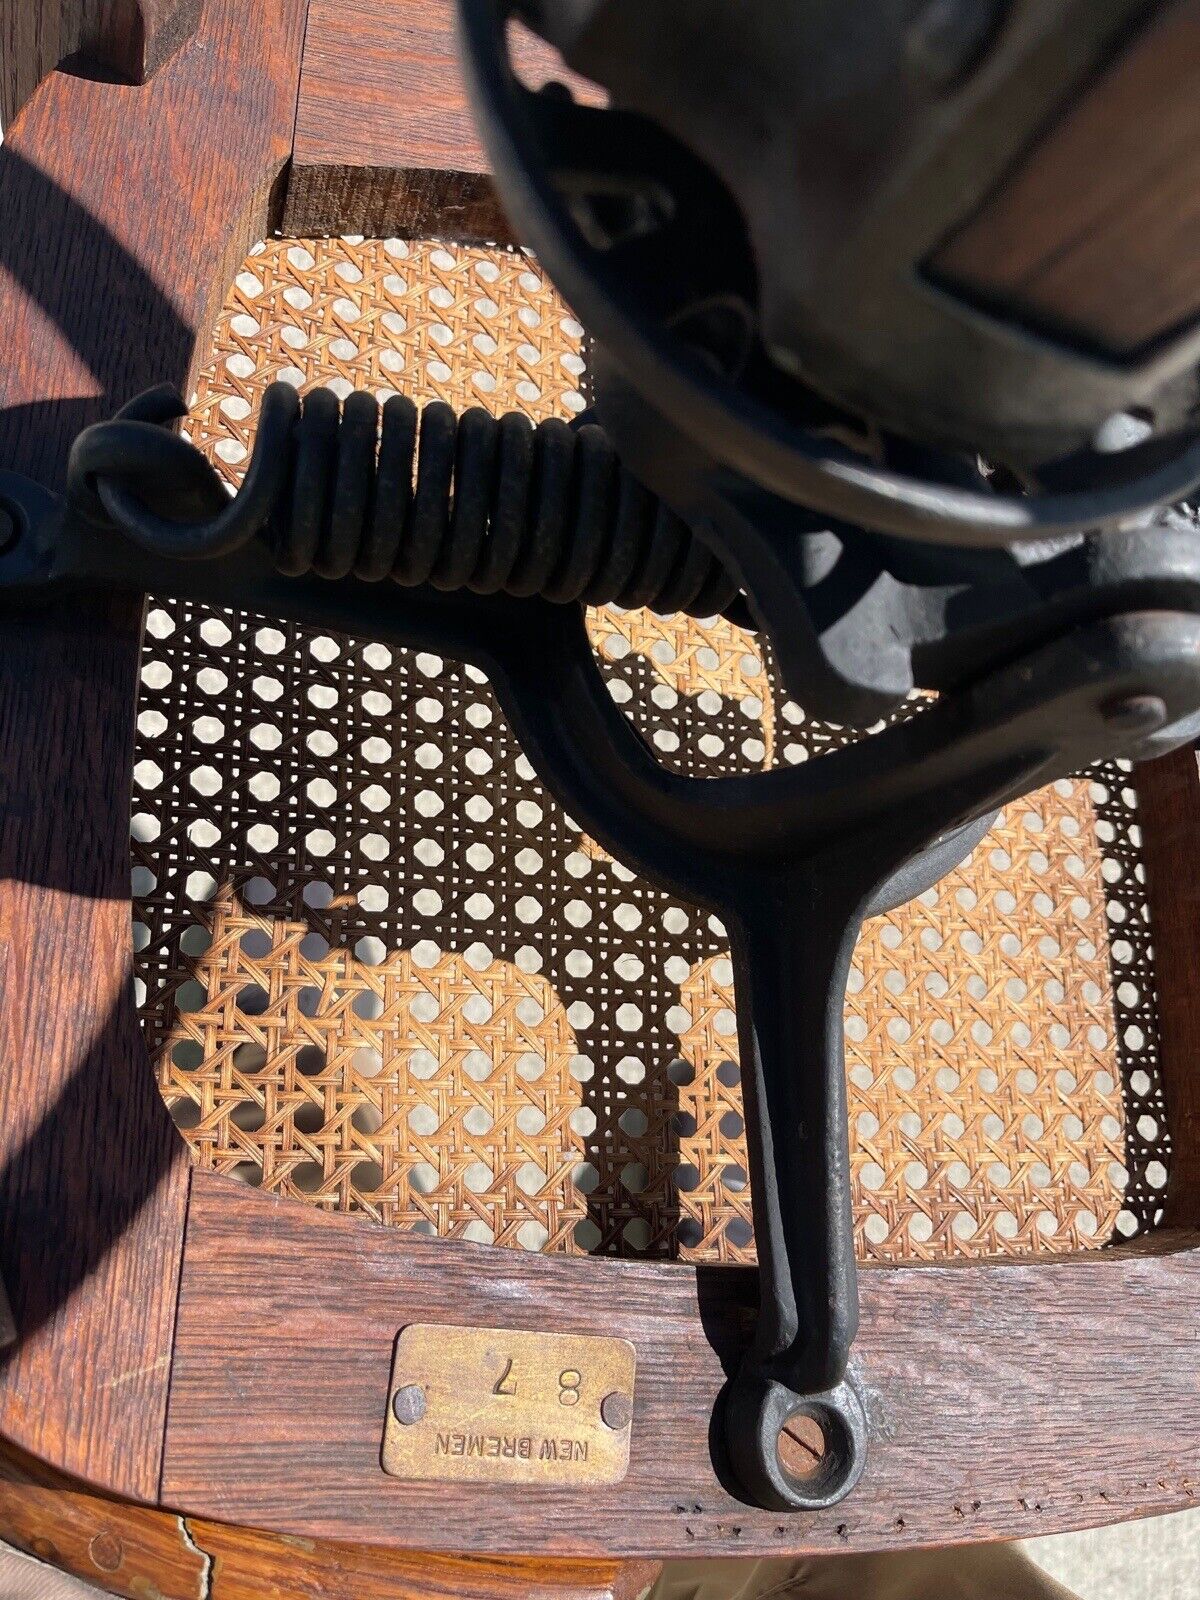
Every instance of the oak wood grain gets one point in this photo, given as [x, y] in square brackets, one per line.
[249, 1565]
[1097, 231]
[123, 209]
[127, 1550]
[1005, 1400]
[385, 139]
[128, 38]
[138, 1552]
[1169, 808]
[93, 1180]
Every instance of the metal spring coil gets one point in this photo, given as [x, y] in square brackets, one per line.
[494, 505]
[475, 502]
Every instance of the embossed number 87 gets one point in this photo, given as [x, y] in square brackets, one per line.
[569, 1381]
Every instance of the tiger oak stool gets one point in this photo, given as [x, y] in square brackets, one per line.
[374, 983]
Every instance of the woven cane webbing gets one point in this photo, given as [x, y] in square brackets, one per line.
[380, 970]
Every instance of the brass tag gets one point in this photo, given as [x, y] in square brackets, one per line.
[493, 1405]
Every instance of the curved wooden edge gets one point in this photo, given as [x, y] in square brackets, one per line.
[121, 210]
[1004, 1400]
[128, 1550]
[135, 1552]
[1169, 811]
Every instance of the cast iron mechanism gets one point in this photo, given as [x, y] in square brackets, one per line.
[848, 142]
[809, 416]
[746, 232]
[911, 489]
[1083, 652]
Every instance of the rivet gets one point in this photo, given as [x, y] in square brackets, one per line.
[408, 1404]
[616, 1411]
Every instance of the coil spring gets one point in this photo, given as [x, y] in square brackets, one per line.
[475, 502]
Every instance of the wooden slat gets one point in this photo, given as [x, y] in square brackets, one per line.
[1169, 807]
[385, 139]
[120, 229]
[1098, 230]
[122, 209]
[92, 1179]
[1005, 1400]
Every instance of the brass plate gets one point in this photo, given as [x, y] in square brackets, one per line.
[495, 1405]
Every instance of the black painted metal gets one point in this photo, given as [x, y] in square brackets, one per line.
[791, 860]
[744, 231]
[784, 175]
[494, 506]
[489, 504]
[859, 619]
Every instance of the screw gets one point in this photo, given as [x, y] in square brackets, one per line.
[801, 1445]
[408, 1404]
[1134, 713]
[616, 1411]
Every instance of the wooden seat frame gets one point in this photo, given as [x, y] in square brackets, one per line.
[189, 1344]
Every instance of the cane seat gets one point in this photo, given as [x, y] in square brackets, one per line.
[381, 971]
